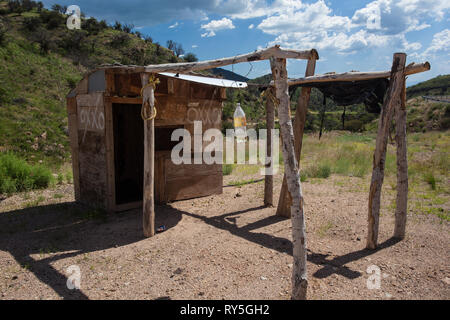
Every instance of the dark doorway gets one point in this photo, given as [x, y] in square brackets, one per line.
[129, 151]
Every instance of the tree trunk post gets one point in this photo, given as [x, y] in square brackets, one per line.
[148, 205]
[270, 121]
[299, 273]
[402, 168]
[284, 203]
[392, 100]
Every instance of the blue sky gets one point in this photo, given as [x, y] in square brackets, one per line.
[349, 35]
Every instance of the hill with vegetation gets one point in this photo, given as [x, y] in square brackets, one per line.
[438, 86]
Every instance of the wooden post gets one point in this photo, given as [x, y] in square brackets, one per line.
[299, 274]
[270, 121]
[392, 100]
[284, 203]
[402, 168]
[148, 205]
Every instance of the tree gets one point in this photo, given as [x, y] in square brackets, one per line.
[190, 57]
[179, 50]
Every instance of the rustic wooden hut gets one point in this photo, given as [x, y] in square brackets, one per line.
[107, 136]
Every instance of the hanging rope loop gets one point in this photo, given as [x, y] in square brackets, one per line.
[269, 95]
[146, 112]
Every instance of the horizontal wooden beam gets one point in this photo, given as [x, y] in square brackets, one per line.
[258, 55]
[358, 76]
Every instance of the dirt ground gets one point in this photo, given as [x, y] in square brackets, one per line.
[220, 247]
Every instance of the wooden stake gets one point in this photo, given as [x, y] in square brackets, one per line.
[148, 214]
[270, 121]
[284, 203]
[299, 274]
[402, 168]
[392, 100]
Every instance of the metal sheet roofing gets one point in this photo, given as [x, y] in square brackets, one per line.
[206, 80]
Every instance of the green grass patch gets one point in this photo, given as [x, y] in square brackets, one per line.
[17, 175]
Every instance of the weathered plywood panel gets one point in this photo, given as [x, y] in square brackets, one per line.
[193, 187]
[92, 166]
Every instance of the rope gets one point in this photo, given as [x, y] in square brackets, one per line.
[268, 94]
[145, 110]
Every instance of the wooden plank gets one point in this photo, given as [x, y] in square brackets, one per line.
[284, 202]
[401, 209]
[392, 100]
[412, 68]
[299, 273]
[92, 164]
[258, 55]
[149, 162]
[110, 168]
[270, 121]
[73, 137]
[193, 187]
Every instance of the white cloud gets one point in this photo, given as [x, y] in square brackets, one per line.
[251, 26]
[216, 25]
[194, 46]
[440, 45]
[381, 23]
[174, 25]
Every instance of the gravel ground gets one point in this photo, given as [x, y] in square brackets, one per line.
[219, 247]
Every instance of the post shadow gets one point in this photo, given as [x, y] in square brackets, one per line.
[68, 230]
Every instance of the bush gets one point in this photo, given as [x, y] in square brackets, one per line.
[119, 40]
[190, 57]
[17, 175]
[354, 125]
[227, 169]
[430, 179]
[52, 19]
[31, 23]
[321, 170]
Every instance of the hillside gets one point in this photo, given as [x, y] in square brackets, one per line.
[41, 60]
[438, 86]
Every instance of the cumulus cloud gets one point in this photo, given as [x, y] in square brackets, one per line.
[439, 45]
[379, 23]
[216, 25]
[251, 26]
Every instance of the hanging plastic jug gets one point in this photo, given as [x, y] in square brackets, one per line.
[240, 124]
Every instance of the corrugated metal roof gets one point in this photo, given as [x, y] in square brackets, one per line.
[206, 80]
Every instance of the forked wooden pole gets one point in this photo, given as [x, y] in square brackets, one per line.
[299, 274]
[284, 202]
[148, 214]
[392, 101]
[402, 168]
[270, 121]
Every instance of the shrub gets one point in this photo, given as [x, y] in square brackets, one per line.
[31, 23]
[430, 179]
[354, 125]
[190, 57]
[119, 40]
[17, 175]
[321, 170]
[227, 169]
[52, 19]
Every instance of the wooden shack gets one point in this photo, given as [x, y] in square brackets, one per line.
[107, 136]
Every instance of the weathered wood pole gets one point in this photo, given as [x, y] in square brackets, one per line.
[392, 100]
[402, 168]
[148, 205]
[299, 274]
[270, 122]
[284, 203]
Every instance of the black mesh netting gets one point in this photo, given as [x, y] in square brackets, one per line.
[345, 93]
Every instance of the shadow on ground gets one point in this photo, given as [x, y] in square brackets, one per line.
[68, 230]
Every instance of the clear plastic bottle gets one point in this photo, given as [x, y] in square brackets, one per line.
[240, 124]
